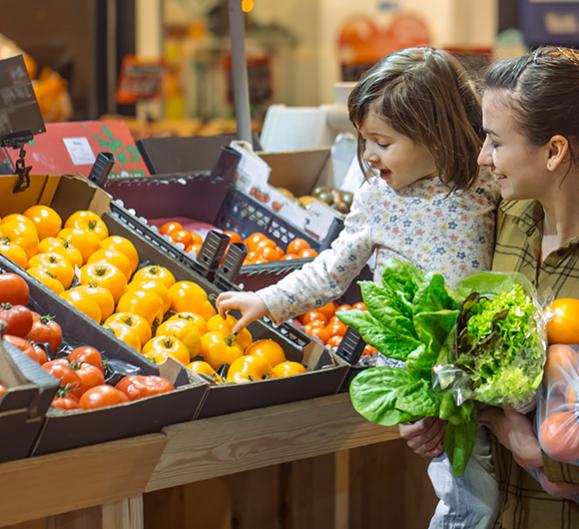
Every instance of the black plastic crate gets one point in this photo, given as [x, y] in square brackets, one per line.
[245, 215]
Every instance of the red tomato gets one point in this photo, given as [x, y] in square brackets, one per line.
[65, 402]
[169, 227]
[321, 333]
[46, 330]
[334, 341]
[23, 344]
[3, 389]
[182, 236]
[233, 237]
[359, 306]
[13, 289]
[307, 252]
[88, 354]
[101, 396]
[18, 319]
[141, 386]
[89, 375]
[61, 370]
[369, 351]
[313, 315]
[41, 356]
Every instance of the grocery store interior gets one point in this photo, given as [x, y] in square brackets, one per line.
[155, 154]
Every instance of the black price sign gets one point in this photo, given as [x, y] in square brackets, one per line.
[19, 112]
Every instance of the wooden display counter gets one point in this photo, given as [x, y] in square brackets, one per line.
[234, 457]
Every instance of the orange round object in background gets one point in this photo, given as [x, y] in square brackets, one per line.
[253, 240]
[182, 236]
[297, 245]
[233, 236]
[563, 325]
[170, 227]
[307, 252]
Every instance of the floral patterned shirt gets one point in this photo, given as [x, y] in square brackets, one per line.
[451, 234]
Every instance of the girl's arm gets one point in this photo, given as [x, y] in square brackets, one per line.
[322, 280]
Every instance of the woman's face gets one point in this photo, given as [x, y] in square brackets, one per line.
[519, 166]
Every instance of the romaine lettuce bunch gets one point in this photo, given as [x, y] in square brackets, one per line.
[479, 344]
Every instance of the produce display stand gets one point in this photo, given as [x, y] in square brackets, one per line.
[67, 486]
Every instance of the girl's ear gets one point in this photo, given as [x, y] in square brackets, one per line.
[558, 152]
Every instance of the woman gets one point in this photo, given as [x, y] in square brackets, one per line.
[531, 118]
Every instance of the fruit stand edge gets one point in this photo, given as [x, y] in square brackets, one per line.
[227, 444]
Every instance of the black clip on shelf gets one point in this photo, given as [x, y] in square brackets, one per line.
[229, 270]
[351, 347]
[101, 168]
[212, 251]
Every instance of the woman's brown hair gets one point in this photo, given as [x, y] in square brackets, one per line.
[545, 88]
[426, 95]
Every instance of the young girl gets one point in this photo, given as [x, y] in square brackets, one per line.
[531, 118]
[419, 133]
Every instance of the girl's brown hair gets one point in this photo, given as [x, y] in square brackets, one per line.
[426, 95]
[545, 89]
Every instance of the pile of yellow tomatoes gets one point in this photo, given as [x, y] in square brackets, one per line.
[144, 307]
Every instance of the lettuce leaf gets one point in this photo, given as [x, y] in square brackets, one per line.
[389, 396]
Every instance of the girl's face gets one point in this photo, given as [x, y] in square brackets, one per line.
[519, 166]
[401, 161]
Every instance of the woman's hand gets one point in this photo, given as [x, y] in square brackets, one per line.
[558, 490]
[515, 432]
[249, 304]
[424, 437]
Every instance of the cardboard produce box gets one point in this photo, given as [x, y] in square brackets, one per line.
[29, 393]
[74, 428]
[67, 194]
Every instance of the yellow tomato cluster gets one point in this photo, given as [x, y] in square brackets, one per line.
[146, 308]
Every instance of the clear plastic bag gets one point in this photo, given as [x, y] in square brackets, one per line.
[557, 418]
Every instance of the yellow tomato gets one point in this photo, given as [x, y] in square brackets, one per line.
[203, 368]
[47, 221]
[88, 221]
[135, 322]
[186, 331]
[248, 368]
[105, 275]
[225, 326]
[267, 349]
[116, 242]
[192, 317]
[56, 264]
[153, 286]
[218, 349]
[160, 347]
[63, 247]
[83, 303]
[102, 296]
[87, 243]
[47, 279]
[187, 296]
[154, 272]
[16, 217]
[146, 304]
[14, 253]
[22, 234]
[114, 257]
[287, 369]
[125, 334]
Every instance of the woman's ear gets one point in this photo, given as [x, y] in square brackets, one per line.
[558, 151]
